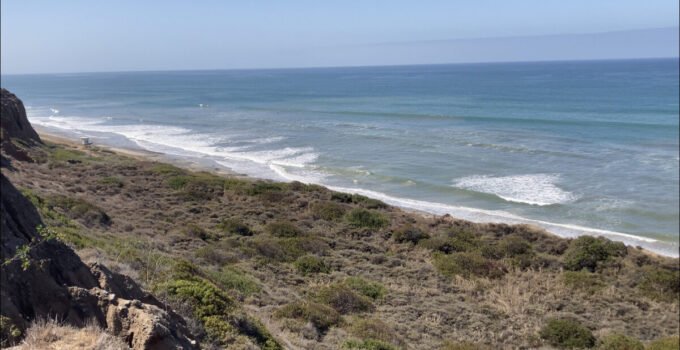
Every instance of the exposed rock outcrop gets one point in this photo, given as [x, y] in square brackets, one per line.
[15, 127]
[41, 277]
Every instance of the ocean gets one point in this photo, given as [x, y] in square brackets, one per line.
[583, 147]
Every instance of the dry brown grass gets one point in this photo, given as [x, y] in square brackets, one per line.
[51, 335]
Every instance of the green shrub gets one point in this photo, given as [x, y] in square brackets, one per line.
[268, 248]
[219, 329]
[321, 316]
[467, 264]
[266, 188]
[587, 252]
[374, 329]
[283, 229]
[514, 246]
[366, 218]
[204, 297]
[309, 264]
[462, 241]
[669, 343]
[9, 332]
[660, 284]
[234, 226]
[178, 182]
[368, 344]
[213, 255]
[232, 279]
[327, 211]
[196, 231]
[364, 201]
[112, 181]
[203, 186]
[619, 342]
[463, 346]
[66, 155]
[409, 234]
[567, 333]
[167, 169]
[583, 280]
[343, 299]
[373, 290]
[286, 249]
[78, 209]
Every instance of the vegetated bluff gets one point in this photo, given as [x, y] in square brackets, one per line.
[41, 277]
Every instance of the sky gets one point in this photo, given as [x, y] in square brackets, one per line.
[47, 36]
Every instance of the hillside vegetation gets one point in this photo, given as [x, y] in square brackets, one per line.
[258, 264]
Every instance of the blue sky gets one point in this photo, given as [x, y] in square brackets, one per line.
[81, 36]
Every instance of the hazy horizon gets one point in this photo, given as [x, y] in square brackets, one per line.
[45, 37]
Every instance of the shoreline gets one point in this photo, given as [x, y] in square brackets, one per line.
[193, 164]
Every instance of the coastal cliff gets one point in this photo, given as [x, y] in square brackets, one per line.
[43, 278]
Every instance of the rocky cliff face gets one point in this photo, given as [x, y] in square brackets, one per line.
[15, 128]
[41, 277]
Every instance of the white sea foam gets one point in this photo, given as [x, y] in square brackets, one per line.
[536, 189]
[269, 163]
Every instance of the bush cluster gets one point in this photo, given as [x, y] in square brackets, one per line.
[322, 317]
[373, 290]
[343, 299]
[234, 226]
[366, 218]
[283, 229]
[620, 342]
[310, 264]
[587, 252]
[364, 201]
[467, 264]
[327, 211]
[409, 234]
[567, 333]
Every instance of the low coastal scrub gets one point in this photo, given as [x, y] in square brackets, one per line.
[464, 346]
[215, 309]
[283, 229]
[620, 342]
[78, 209]
[368, 344]
[669, 343]
[567, 334]
[363, 201]
[583, 281]
[660, 284]
[588, 252]
[366, 218]
[467, 264]
[250, 243]
[322, 317]
[375, 329]
[275, 249]
[373, 290]
[409, 234]
[311, 264]
[343, 299]
[230, 278]
[328, 211]
[234, 226]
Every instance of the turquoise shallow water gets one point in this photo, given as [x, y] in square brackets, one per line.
[575, 147]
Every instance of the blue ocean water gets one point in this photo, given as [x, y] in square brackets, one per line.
[575, 147]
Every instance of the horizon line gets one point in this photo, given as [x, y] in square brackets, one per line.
[348, 66]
